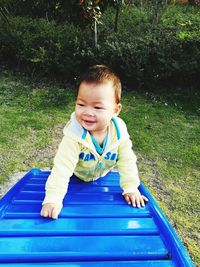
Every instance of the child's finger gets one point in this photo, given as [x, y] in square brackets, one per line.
[133, 201]
[138, 201]
[142, 202]
[127, 199]
[145, 198]
[54, 214]
[44, 212]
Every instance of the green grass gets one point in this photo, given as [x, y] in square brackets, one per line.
[165, 131]
[29, 115]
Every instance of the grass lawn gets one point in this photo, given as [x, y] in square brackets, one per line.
[165, 132]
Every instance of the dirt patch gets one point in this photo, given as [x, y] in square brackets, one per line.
[13, 179]
[152, 176]
[45, 154]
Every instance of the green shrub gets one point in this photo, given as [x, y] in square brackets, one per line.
[141, 52]
[180, 27]
[11, 41]
[42, 46]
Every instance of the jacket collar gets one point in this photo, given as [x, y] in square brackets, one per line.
[116, 128]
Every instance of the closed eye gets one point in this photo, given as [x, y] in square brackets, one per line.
[98, 107]
[80, 104]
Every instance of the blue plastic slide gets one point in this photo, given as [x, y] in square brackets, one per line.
[95, 228]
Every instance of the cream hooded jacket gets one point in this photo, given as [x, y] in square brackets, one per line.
[77, 155]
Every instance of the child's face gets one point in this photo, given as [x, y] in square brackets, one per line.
[95, 106]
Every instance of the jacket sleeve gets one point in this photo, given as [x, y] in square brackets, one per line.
[65, 162]
[126, 164]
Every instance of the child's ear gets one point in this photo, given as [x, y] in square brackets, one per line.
[118, 108]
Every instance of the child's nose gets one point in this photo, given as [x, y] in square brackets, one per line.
[89, 111]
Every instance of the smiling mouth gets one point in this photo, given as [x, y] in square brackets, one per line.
[89, 122]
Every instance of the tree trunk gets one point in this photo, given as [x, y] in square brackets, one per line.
[95, 34]
[117, 16]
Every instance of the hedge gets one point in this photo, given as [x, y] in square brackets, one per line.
[140, 52]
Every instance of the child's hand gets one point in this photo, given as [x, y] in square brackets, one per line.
[135, 199]
[51, 210]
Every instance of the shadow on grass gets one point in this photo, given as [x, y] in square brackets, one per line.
[22, 92]
[185, 99]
